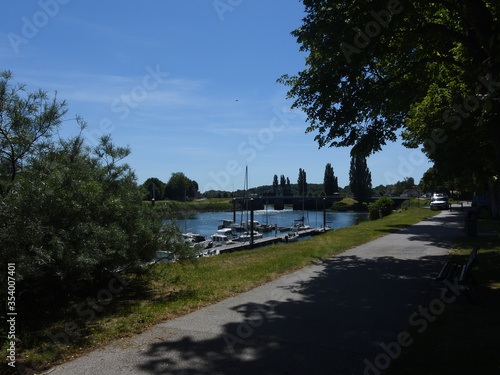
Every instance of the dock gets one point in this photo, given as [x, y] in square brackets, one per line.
[261, 242]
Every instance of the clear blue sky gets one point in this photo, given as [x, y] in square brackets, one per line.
[189, 85]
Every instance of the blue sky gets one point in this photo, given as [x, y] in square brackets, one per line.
[189, 85]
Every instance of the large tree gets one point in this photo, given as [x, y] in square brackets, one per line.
[302, 182]
[155, 188]
[431, 69]
[330, 182]
[283, 185]
[360, 179]
[70, 214]
[180, 187]
[275, 185]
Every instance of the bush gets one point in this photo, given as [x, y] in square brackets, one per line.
[340, 206]
[383, 205]
[406, 204]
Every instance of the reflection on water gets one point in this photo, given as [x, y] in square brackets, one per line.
[206, 223]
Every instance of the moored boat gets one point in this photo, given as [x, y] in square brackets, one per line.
[219, 239]
[246, 236]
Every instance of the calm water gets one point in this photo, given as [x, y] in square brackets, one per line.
[206, 223]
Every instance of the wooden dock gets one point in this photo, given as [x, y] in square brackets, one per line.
[267, 241]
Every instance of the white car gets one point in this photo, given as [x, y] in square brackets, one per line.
[439, 202]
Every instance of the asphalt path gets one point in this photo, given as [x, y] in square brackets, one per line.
[350, 314]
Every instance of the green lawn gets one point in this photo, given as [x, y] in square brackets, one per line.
[168, 291]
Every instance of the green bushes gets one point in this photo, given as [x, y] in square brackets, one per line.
[382, 206]
[340, 206]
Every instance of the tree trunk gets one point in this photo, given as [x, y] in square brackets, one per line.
[495, 200]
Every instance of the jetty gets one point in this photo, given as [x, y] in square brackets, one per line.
[261, 242]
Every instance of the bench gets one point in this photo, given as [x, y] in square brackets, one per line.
[462, 273]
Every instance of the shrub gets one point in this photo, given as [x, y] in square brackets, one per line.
[383, 205]
[339, 206]
[406, 205]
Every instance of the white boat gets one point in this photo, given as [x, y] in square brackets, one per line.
[219, 239]
[265, 228]
[246, 225]
[228, 232]
[193, 238]
[209, 252]
[246, 236]
[230, 224]
[291, 237]
[299, 225]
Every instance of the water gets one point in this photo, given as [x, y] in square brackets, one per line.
[206, 223]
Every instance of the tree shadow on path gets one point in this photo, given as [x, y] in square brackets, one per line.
[328, 324]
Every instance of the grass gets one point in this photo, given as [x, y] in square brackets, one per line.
[168, 291]
[203, 205]
[464, 339]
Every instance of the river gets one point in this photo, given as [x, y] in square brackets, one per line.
[206, 223]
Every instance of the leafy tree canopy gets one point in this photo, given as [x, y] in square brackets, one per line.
[431, 69]
[180, 187]
[154, 186]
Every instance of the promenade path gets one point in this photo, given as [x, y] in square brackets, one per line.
[332, 318]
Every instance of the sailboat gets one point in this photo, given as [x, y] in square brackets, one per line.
[298, 224]
[249, 225]
[265, 227]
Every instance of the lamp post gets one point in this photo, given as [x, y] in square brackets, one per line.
[251, 223]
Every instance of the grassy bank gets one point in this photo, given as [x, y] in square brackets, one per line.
[464, 338]
[203, 205]
[168, 291]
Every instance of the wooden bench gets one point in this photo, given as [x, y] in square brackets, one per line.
[452, 271]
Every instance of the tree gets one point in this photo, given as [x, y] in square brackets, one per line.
[70, 214]
[409, 182]
[360, 179]
[289, 191]
[75, 213]
[193, 189]
[330, 182]
[432, 182]
[429, 68]
[159, 188]
[27, 121]
[283, 185]
[180, 187]
[275, 185]
[401, 186]
[302, 182]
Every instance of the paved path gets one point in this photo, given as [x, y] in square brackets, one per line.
[326, 319]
